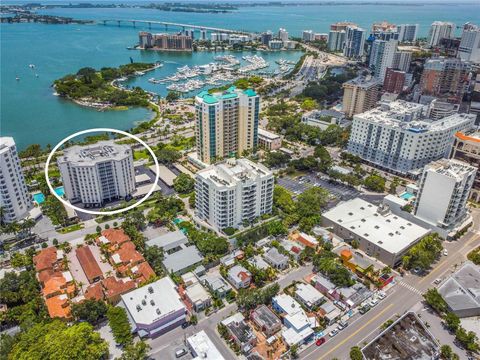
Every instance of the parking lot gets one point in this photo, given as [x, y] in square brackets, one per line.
[302, 183]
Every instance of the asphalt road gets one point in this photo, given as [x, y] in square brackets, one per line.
[401, 298]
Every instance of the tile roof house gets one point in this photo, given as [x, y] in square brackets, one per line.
[114, 288]
[142, 272]
[304, 239]
[59, 307]
[89, 264]
[239, 277]
[48, 259]
[94, 292]
[113, 238]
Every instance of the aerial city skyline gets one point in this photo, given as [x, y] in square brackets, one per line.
[290, 189]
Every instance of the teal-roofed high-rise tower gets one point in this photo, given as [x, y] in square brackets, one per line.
[226, 123]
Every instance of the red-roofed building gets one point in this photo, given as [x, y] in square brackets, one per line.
[114, 288]
[94, 292]
[304, 239]
[59, 307]
[126, 257]
[113, 237]
[142, 272]
[48, 258]
[89, 264]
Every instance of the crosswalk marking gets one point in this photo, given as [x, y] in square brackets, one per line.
[410, 287]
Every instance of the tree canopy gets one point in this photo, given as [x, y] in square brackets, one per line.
[57, 340]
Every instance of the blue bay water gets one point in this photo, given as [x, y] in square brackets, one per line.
[32, 114]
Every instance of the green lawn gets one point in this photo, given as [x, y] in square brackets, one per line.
[71, 228]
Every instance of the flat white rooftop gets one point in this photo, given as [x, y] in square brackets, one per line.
[153, 302]
[94, 153]
[203, 348]
[386, 230]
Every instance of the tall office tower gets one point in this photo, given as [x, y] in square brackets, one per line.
[466, 148]
[98, 173]
[397, 137]
[394, 81]
[443, 193]
[336, 40]
[283, 34]
[407, 32]
[203, 34]
[266, 37]
[402, 60]
[469, 48]
[354, 42]
[445, 78]
[231, 192]
[308, 35]
[360, 94]
[226, 123]
[14, 197]
[440, 30]
[382, 56]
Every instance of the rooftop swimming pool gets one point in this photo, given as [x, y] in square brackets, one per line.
[407, 196]
[40, 198]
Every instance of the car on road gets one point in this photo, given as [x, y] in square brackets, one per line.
[333, 333]
[445, 252]
[364, 309]
[320, 341]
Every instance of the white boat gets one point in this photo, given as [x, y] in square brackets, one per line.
[31, 66]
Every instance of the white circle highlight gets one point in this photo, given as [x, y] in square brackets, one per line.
[113, 212]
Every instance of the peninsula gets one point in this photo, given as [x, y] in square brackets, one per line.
[100, 88]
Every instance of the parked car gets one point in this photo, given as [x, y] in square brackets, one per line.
[333, 333]
[185, 325]
[320, 341]
[342, 325]
[445, 252]
[373, 303]
[364, 309]
[180, 353]
[381, 295]
[437, 281]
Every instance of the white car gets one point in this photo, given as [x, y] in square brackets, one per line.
[437, 281]
[373, 303]
[445, 252]
[333, 333]
[381, 295]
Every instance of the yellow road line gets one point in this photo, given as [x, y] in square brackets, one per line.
[356, 332]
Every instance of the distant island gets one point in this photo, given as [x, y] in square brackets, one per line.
[100, 89]
[27, 17]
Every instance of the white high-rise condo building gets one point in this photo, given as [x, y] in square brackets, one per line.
[443, 193]
[283, 34]
[354, 42]
[397, 137]
[382, 57]
[231, 192]
[440, 30]
[308, 35]
[98, 173]
[15, 200]
[407, 32]
[469, 49]
[226, 124]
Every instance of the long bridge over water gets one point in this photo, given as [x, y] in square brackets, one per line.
[118, 22]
